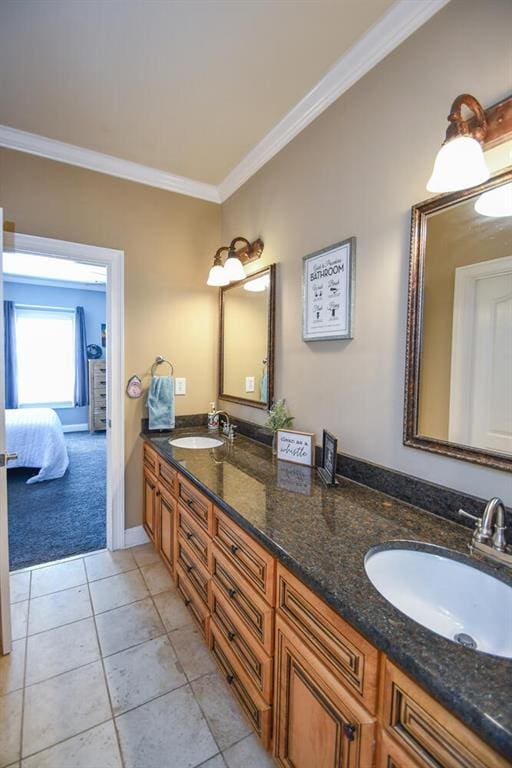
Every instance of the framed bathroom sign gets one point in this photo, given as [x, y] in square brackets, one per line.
[328, 292]
[297, 447]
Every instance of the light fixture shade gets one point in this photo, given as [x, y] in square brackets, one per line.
[257, 285]
[497, 202]
[234, 269]
[459, 164]
[217, 276]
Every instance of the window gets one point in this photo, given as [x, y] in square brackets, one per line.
[45, 346]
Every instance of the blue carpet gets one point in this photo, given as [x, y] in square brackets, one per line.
[58, 518]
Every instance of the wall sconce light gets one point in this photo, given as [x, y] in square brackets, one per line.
[233, 268]
[496, 202]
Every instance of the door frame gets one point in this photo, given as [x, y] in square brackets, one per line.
[113, 260]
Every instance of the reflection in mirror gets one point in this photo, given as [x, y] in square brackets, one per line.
[246, 340]
[459, 367]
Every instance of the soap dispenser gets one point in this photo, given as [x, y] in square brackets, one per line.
[213, 418]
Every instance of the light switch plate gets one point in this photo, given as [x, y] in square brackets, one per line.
[249, 383]
[180, 387]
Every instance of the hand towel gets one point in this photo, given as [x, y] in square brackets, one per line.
[161, 403]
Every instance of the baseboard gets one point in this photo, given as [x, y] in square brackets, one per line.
[134, 536]
[75, 427]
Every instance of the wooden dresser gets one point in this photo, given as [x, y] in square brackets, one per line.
[97, 395]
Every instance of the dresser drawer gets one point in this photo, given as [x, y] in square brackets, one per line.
[198, 505]
[351, 658]
[150, 458]
[99, 376]
[426, 731]
[252, 610]
[167, 476]
[196, 537]
[258, 712]
[192, 568]
[196, 606]
[249, 653]
[251, 559]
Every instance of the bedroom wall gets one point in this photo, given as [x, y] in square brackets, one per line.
[94, 304]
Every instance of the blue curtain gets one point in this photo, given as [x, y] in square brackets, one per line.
[81, 378]
[11, 366]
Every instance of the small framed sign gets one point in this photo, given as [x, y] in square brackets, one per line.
[298, 447]
[327, 470]
[328, 292]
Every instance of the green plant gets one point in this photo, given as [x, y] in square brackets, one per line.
[279, 417]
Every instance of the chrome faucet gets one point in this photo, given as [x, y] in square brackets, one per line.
[489, 534]
[228, 428]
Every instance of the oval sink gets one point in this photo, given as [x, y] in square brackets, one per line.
[196, 442]
[449, 597]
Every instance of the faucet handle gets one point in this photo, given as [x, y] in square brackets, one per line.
[469, 516]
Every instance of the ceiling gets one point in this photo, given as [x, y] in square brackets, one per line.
[188, 87]
[29, 267]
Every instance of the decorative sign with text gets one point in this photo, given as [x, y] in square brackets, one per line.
[298, 447]
[328, 285]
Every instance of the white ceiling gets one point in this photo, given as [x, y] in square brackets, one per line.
[33, 267]
[188, 87]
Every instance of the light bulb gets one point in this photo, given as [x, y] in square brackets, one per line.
[459, 164]
[234, 269]
[217, 276]
[496, 202]
[258, 284]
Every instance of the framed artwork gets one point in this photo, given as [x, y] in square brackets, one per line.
[328, 292]
[327, 469]
[297, 447]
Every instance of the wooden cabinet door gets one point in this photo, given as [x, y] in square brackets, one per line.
[150, 499]
[166, 513]
[317, 724]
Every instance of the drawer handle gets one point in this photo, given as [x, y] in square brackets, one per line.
[231, 636]
[190, 568]
[232, 592]
[190, 536]
[187, 601]
[190, 502]
[350, 731]
[230, 679]
[234, 549]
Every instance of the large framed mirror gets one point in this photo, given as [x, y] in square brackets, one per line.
[458, 389]
[246, 341]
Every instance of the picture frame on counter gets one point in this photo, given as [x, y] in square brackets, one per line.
[328, 283]
[297, 447]
[327, 469]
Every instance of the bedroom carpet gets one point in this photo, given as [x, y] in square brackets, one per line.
[58, 518]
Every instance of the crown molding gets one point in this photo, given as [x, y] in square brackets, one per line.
[22, 141]
[399, 22]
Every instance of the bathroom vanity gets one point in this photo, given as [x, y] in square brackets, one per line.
[271, 565]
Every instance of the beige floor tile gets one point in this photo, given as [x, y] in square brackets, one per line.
[60, 650]
[129, 625]
[221, 710]
[145, 554]
[248, 753]
[19, 619]
[170, 725]
[56, 577]
[117, 590]
[96, 748]
[12, 667]
[10, 730]
[63, 707]
[172, 610]
[141, 673]
[106, 564]
[214, 762]
[59, 608]
[157, 578]
[192, 652]
[20, 586]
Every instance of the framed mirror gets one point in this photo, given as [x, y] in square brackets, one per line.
[458, 387]
[246, 341]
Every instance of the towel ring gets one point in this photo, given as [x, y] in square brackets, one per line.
[158, 361]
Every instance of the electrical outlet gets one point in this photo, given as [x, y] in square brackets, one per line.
[249, 383]
[180, 387]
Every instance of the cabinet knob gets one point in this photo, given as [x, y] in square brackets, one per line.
[234, 549]
[231, 636]
[190, 502]
[187, 601]
[230, 679]
[350, 731]
[158, 493]
[231, 592]
[190, 568]
[189, 535]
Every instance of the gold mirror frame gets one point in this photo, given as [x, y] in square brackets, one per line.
[412, 438]
[271, 271]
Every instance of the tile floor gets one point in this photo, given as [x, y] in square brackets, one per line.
[108, 671]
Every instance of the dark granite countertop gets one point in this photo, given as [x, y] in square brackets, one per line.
[322, 535]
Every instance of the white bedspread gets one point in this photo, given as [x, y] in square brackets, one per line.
[36, 435]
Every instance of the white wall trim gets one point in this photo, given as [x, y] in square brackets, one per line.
[50, 283]
[401, 20]
[75, 427]
[33, 144]
[135, 536]
[113, 260]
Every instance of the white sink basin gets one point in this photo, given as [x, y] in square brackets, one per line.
[196, 442]
[449, 597]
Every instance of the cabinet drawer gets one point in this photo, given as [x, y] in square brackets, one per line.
[426, 731]
[198, 505]
[252, 610]
[195, 572]
[391, 755]
[167, 476]
[251, 559]
[257, 711]
[150, 458]
[196, 606]
[196, 538]
[351, 658]
[249, 653]
[166, 513]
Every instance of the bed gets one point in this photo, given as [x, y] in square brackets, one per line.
[36, 435]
